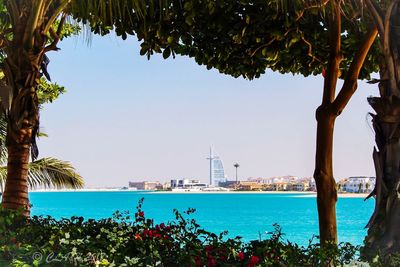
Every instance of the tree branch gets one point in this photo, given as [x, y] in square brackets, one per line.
[350, 82]
[377, 15]
[55, 15]
[53, 45]
[36, 14]
[390, 64]
[56, 35]
[13, 9]
[311, 5]
[335, 55]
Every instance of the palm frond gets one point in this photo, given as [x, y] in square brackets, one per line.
[54, 173]
[49, 173]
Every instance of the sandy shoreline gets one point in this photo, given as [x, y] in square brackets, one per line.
[299, 193]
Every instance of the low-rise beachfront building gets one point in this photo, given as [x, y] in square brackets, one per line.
[229, 184]
[187, 184]
[284, 183]
[274, 180]
[146, 185]
[357, 184]
[249, 186]
[300, 186]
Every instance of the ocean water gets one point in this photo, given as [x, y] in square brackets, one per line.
[250, 216]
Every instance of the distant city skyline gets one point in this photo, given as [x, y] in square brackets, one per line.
[125, 117]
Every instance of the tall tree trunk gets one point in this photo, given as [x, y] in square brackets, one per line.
[323, 175]
[383, 227]
[32, 23]
[16, 189]
[23, 123]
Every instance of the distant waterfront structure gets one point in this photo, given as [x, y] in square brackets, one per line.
[186, 184]
[146, 185]
[357, 184]
[217, 173]
[279, 183]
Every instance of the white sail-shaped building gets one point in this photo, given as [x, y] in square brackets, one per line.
[217, 173]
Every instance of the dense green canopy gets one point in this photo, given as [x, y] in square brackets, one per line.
[244, 38]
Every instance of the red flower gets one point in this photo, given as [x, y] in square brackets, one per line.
[147, 232]
[157, 235]
[198, 261]
[162, 225]
[209, 248]
[137, 236]
[211, 262]
[141, 214]
[253, 261]
[240, 255]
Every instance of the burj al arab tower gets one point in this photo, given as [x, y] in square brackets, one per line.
[217, 173]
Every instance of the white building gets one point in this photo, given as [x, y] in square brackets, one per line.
[358, 184]
[187, 184]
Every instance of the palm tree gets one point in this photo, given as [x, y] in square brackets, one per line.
[28, 30]
[45, 172]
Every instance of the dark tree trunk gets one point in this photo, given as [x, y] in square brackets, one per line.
[31, 27]
[22, 70]
[16, 189]
[383, 227]
[323, 175]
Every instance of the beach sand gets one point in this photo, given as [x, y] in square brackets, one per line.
[304, 194]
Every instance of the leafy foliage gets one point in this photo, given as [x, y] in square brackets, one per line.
[48, 92]
[136, 241]
[244, 38]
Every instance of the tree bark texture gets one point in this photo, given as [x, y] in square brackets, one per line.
[383, 236]
[383, 227]
[323, 175]
[22, 68]
[16, 189]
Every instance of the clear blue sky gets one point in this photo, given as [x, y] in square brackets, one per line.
[126, 118]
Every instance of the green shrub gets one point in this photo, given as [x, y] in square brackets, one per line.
[136, 241]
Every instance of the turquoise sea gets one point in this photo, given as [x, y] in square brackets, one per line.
[246, 215]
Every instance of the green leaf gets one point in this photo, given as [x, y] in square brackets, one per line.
[166, 53]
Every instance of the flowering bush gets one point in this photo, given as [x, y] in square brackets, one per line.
[137, 241]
